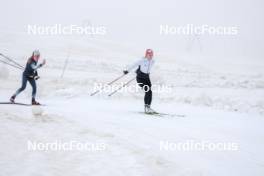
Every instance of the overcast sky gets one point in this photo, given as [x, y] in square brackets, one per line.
[138, 21]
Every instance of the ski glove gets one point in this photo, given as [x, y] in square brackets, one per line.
[36, 77]
[125, 72]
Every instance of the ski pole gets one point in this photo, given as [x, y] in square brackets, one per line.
[121, 87]
[11, 60]
[15, 66]
[110, 83]
[65, 63]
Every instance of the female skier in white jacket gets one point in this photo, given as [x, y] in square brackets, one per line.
[144, 66]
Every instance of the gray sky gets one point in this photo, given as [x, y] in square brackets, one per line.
[138, 21]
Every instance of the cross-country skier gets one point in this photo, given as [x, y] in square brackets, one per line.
[143, 71]
[30, 74]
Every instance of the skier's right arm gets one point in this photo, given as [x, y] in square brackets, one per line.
[132, 66]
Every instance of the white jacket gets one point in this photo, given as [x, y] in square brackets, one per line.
[144, 63]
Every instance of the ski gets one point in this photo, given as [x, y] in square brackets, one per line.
[152, 114]
[22, 104]
[171, 115]
[158, 114]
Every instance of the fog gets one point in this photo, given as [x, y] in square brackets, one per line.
[138, 23]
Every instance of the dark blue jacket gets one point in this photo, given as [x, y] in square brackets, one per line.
[31, 68]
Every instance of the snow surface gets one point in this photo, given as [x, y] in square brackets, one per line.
[133, 139]
[225, 107]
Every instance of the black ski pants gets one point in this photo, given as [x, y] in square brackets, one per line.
[145, 83]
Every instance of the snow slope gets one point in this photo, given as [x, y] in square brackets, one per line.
[132, 139]
[220, 106]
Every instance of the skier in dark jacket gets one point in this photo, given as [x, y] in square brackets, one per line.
[143, 71]
[30, 74]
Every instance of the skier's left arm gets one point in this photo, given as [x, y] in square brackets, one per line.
[153, 64]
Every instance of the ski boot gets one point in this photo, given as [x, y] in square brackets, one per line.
[34, 102]
[148, 110]
[12, 99]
